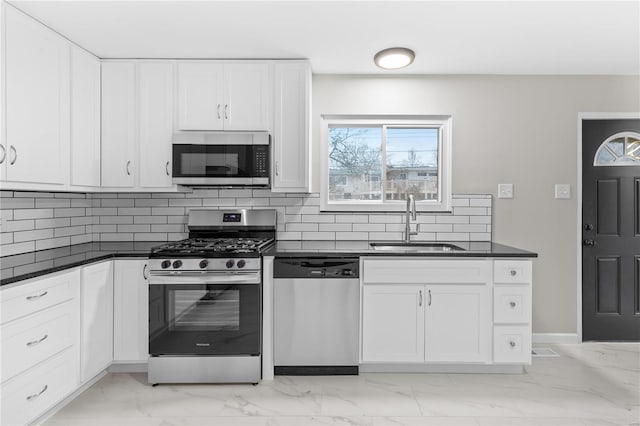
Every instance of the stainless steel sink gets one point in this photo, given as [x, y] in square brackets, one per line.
[415, 247]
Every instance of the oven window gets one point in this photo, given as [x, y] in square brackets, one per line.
[214, 310]
[204, 319]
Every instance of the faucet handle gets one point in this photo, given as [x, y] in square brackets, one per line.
[417, 231]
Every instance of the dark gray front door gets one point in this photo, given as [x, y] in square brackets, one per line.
[611, 229]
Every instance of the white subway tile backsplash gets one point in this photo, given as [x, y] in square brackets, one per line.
[38, 234]
[44, 220]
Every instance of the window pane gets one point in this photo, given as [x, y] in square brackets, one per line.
[355, 163]
[412, 163]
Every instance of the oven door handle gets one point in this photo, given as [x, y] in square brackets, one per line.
[180, 277]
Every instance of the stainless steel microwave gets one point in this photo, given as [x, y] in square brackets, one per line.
[221, 159]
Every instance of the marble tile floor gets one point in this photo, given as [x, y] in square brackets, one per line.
[593, 384]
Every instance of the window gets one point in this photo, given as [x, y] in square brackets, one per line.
[371, 163]
[621, 149]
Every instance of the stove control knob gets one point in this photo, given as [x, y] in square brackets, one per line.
[165, 264]
[241, 263]
[177, 264]
[203, 264]
[229, 263]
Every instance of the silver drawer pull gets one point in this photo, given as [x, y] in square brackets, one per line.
[35, 395]
[38, 296]
[512, 343]
[36, 342]
[513, 272]
[512, 304]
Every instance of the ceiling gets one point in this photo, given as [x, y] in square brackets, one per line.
[449, 37]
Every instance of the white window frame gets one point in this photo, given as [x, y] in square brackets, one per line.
[444, 123]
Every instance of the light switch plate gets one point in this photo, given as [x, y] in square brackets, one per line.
[563, 191]
[505, 190]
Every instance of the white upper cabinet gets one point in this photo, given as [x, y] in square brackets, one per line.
[155, 89]
[37, 102]
[85, 118]
[247, 93]
[200, 96]
[291, 132]
[118, 124]
[223, 96]
[137, 125]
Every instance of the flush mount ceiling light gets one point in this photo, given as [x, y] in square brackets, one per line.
[394, 58]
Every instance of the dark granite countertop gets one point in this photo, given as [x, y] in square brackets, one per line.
[23, 266]
[362, 248]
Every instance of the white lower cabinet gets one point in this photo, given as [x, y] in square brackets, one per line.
[40, 351]
[434, 311]
[96, 319]
[130, 314]
[458, 323]
[31, 394]
[393, 323]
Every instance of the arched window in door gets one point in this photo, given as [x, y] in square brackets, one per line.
[621, 149]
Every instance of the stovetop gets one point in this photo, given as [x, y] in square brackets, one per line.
[213, 247]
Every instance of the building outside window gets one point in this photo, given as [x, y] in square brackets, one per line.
[372, 163]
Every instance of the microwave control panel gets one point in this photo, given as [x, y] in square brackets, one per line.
[261, 160]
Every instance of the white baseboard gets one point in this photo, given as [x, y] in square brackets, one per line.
[554, 338]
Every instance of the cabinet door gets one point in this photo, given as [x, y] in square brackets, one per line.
[85, 118]
[393, 323]
[131, 311]
[155, 89]
[200, 96]
[291, 131]
[458, 323]
[118, 124]
[246, 96]
[37, 101]
[96, 319]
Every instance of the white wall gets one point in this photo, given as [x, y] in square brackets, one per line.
[506, 129]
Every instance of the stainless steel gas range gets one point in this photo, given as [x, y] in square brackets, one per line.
[205, 299]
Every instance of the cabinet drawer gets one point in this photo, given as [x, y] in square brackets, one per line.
[32, 393]
[512, 304]
[511, 344]
[33, 339]
[415, 271]
[39, 294]
[512, 271]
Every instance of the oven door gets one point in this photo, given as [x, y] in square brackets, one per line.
[204, 319]
[196, 164]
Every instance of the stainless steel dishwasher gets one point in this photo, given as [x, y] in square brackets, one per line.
[316, 306]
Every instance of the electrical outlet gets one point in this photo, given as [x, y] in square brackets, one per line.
[505, 190]
[563, 191]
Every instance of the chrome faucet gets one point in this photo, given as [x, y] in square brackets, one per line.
[410, 214]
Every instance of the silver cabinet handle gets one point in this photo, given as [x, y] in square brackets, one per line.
[35, 395]
[226, 111]
[129, 168]
[218, 109]
[37, 342]
[166, 168]
[277, 169]
[37, 296]
[512, 304]
[15, 155]
[144, 272]
[420, 301]
[4, 153]
[512, 343]
[429, 303]
[513, 272]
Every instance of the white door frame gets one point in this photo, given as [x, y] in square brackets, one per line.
[587, 116]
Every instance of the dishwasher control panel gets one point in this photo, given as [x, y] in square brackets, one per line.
[316, 268]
